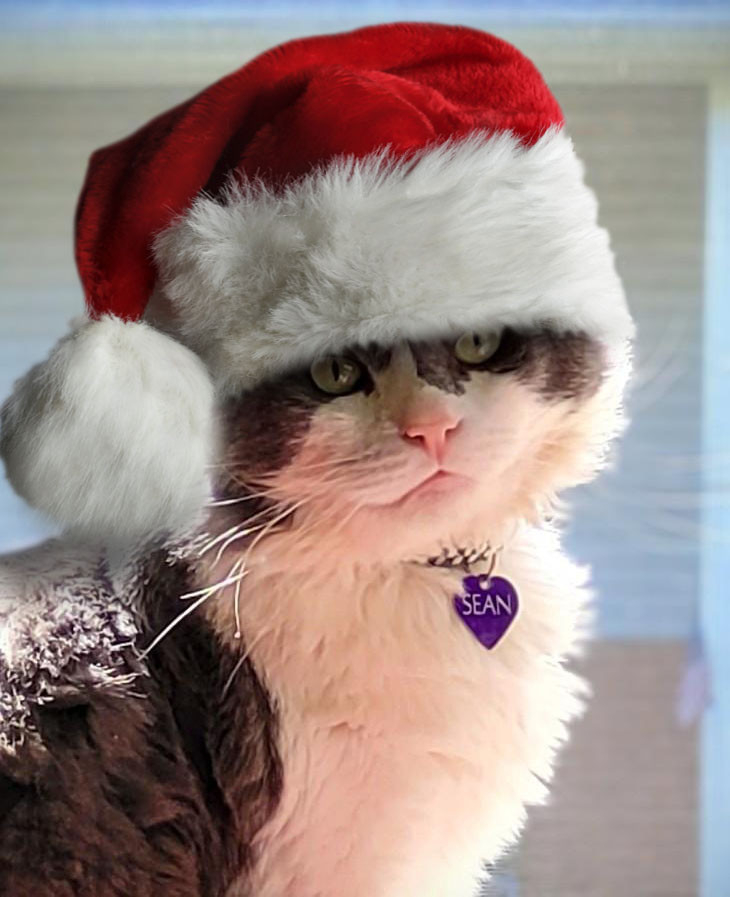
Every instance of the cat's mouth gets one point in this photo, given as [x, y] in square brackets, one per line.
[439, 480]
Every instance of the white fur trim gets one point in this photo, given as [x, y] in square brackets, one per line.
[112, 434]
[485, 232]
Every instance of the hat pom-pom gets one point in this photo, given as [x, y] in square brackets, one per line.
[112, 435]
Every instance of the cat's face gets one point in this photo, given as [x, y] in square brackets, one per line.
[391, 451]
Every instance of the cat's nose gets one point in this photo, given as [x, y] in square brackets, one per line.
[432, 433]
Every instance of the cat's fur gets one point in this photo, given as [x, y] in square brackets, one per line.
[327, 725]
[131, 774]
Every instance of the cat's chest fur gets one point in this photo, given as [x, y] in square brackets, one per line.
[409, 750]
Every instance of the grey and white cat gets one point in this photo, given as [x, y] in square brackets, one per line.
[353, 325]
[284, 702]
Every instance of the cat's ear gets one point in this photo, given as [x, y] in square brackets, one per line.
[113, 435]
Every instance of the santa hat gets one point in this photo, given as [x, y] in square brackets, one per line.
[400, 181]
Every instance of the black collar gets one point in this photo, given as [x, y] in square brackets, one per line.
[462, 557]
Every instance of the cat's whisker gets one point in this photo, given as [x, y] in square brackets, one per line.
[323, 484]
[236, 528]
[201, 596]
[345, 520]
[243, 658]
[679, 500]
[214, 541]
[338, 462]
[249, 484]
[263, 527]
[657, 389]
[663, 351]
[662, 529]
[216, 587]
[240, 533]
[337, 459]
[366, 470]
[318, 522]
[237, 609]
[671, 519]
[267, 529]
[219, 503]
[234, 571]
[170, 626]
[693, 461]
[322, 475]
[666, 543]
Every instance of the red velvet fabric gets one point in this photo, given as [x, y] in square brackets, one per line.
[296, 107]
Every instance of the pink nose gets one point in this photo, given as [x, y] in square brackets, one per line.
[432, 434]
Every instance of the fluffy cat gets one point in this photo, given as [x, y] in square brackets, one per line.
[313, 719]
[353, 325]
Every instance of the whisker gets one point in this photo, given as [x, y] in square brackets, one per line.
[234, 501]
[337, 462]
[261, 530]
[264, 532]
[320, 521]
[656, 389]
[237, 609]
[235, 476]
[236, 527]
[234, 673]
[170, 626]
[663, 350]
[333, 463]
[244, 657]
[240, 533]
[211, 590]
[214, 541]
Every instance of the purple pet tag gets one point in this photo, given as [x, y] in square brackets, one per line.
[488, 606]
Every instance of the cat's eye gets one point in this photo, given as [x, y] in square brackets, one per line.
[336, 374]
[474, 347]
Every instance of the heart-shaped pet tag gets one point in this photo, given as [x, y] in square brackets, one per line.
[488, 606]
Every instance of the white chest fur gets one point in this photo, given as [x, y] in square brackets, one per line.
[409, 750]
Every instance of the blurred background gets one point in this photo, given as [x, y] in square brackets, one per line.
[641, 803]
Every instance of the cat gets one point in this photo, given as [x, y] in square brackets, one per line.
[284, 701]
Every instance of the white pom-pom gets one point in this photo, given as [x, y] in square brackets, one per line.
[113, 434]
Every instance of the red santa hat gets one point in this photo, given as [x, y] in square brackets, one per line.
[399, 181]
